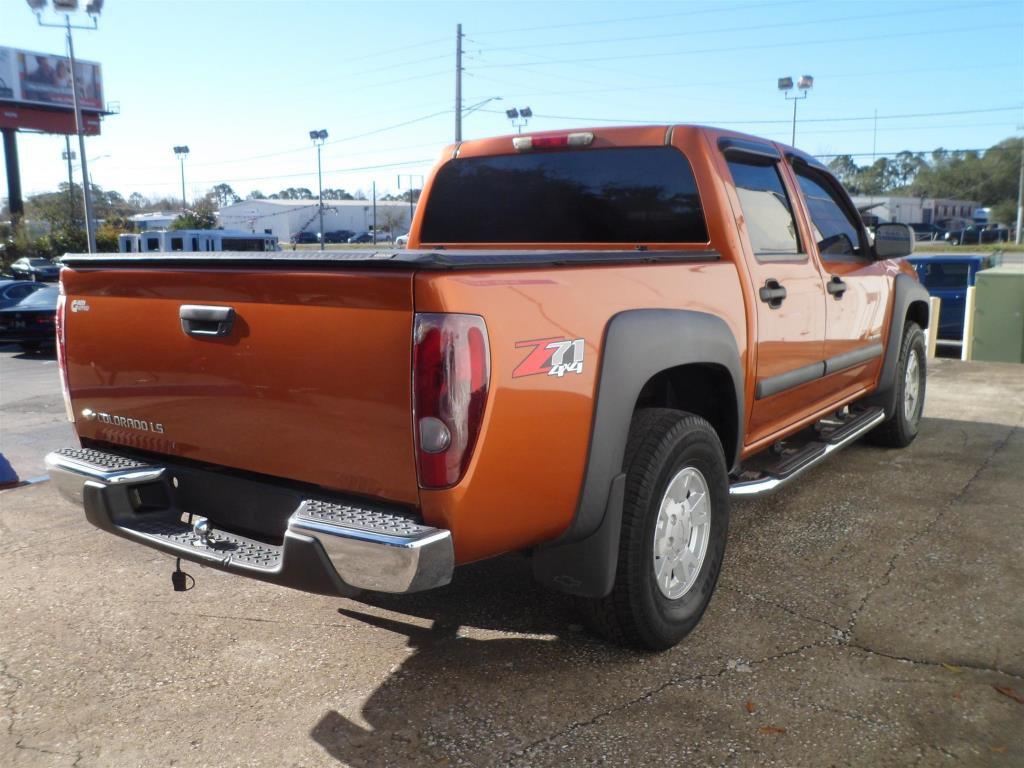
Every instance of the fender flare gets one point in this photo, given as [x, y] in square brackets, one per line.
[906, 292]
[638, 345]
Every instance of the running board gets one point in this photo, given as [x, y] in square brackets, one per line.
[810, 455]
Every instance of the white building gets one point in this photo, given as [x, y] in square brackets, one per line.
[156, 220]
[286, 218]
[914, 210]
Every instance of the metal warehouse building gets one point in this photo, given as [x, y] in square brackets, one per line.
[286, 218]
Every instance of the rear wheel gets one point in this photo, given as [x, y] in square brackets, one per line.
[674, 522]
[900, 429]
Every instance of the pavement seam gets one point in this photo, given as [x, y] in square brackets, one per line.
[933, 663]
[926, 528]
[840, 633]
[674, 681]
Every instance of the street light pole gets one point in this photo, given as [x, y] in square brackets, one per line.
[804, 84]
[69, 156]
[319, 137]
[182, 152]
[1020, 193]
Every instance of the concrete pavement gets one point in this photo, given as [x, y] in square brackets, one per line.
[869, 615]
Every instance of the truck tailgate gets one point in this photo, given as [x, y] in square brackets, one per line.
[312, 383]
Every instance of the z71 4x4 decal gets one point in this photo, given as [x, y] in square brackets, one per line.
[556, 356]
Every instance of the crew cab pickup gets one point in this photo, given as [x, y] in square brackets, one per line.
[593, 343]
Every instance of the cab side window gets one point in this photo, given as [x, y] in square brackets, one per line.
[766, 210]
[837, 234]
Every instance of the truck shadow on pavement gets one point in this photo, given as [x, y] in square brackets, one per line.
[466, 688]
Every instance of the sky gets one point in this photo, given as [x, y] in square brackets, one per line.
[243, 83]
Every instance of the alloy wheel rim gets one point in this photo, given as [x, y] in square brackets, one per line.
[681, 533]
[912, 387]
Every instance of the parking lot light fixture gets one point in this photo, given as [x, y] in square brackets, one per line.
[519, 117]
[181, 152]
[319, 137]
[803, 85]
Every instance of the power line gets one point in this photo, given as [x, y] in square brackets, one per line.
[354, 169]
[622, 20]
[747, 28]
[627, 121]
[766, 46]
[920, 152]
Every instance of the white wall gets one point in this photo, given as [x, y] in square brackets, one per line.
[284, 220]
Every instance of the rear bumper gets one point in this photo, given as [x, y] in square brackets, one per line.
[329, 547]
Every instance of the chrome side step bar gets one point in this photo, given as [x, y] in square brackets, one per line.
[811, 455]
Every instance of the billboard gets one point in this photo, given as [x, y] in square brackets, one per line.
[41, 79]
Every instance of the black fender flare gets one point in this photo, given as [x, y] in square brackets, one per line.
[638, 345]
[906, 292]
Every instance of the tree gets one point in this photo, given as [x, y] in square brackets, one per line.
[255, 195]
[137, 200]
[293, 193]
[337, 194]
[202, 215]
[223, 194]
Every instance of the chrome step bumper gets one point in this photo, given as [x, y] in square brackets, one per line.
[329, 547]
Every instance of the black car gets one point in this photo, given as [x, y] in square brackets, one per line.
[976, 234]
[41, 270]
[32, 322]
[305, 238]
[362, 237]
[13, 291]
[927, 232]
[338, 236]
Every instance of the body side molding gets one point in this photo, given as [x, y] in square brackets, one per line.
[638, 345]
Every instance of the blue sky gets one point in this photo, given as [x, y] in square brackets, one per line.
[243, 83]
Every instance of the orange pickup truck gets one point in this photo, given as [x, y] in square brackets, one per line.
[595, 340]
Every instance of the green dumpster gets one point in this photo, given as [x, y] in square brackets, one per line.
[999, 315]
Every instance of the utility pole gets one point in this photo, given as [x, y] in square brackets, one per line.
[374, 212]
[90, 234]
[181, 152]
[458, 82]
[412, 183]
[69, 156]
[1020, 193]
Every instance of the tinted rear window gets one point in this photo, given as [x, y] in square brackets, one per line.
[636, 195]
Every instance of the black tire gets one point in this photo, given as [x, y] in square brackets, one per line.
[900, 429]
[30, 346]
[662, 442]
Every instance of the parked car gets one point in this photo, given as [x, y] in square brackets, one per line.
[305, 238]
[338, 236]
[593, 345]
[927, 232]
[976, 234]
[362, 237]
[402, 241]
[31, 322]
[948, 278]
[40, 270]
[13, 291]
[1002, 232]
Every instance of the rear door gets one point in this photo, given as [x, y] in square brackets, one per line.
[857, 286]
[310, 382]
[788, 286]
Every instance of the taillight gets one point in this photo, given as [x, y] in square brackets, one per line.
[62, 359]
[451, 376]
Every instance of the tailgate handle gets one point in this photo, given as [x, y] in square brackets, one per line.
[199, 320]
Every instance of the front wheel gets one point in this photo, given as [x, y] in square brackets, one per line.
[674, 522]
[900, 429]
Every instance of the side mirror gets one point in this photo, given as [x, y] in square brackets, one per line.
[893, 241]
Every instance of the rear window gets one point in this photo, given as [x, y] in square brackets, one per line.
[939, 275]
[633, 195]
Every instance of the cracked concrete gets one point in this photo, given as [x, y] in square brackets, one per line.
[864, 617]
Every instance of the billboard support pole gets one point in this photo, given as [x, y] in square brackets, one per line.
[15, 203]
[90, 234]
